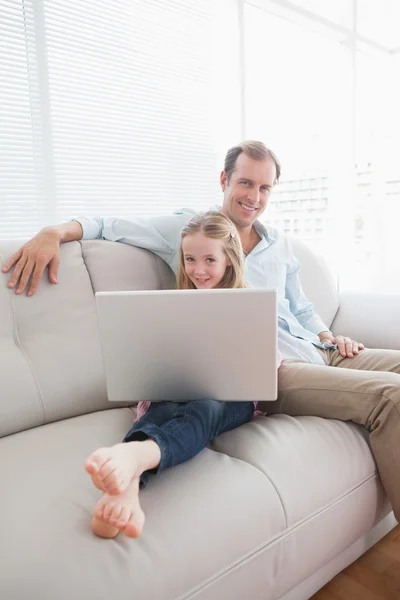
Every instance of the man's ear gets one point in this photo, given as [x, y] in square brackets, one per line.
[223, 180]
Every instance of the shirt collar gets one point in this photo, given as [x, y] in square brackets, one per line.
[262, 230]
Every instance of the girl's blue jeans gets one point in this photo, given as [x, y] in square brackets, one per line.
[183, 429]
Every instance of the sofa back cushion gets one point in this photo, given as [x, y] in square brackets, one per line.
[50, 354]
[317, 281]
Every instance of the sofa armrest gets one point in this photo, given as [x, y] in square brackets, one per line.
[373, 319]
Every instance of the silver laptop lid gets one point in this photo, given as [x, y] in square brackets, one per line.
[189, 344]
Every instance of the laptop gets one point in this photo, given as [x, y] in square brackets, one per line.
[185, 345]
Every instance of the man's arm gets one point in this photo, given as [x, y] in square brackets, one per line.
[305, 313]
[159, 234]
[299, 304]
[41, 251]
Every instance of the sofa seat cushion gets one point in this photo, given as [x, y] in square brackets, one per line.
[203, 519]
[259, 511]
[327, 482]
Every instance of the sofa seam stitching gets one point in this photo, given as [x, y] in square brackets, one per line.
[266, 476]
[262, 547]
[160, 277]
[86, 267]
[313, 389]
[24, 353]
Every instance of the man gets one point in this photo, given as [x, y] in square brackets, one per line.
[321, 375]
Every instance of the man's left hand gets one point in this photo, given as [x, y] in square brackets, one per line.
[346, 346]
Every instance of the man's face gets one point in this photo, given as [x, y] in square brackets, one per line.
[247, 193]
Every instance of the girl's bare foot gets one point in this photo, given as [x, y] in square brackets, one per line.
[121, 513]
[103, 529]
[112, 469]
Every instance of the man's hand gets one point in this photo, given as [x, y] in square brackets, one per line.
[32, 259]
[346, 346]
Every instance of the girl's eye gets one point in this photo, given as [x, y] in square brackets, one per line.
[211, 260]
[188, 259]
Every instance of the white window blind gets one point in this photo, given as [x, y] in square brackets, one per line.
[125, 95]
[335, 133]
[22, 186]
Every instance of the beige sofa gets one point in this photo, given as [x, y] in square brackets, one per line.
[270, 511]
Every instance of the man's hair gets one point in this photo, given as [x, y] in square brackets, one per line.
[214, 224]
[254, 149]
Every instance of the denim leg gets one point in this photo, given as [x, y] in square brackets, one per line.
[158, 413]
[188, 428]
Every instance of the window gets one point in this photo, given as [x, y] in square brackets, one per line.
[22, 184]
[338, 11]
[378, 171]
[326, 98]
[109, 109]
[128, 108]
[378, 20]
[296, 104]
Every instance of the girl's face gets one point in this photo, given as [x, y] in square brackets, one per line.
[204, 259]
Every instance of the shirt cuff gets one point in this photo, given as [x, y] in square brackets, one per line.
[315, 325]
[90, 228]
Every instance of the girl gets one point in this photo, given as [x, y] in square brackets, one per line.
[168, 433]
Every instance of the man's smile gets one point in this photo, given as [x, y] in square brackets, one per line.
[247, 206]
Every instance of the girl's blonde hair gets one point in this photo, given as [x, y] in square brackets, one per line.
[214, 224]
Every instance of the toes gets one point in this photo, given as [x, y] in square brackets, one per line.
[107, 468]
[105, 465]
[97, 483]
[96, 460]
[123, 518]
[111, 483]
[107, 512]
[91, 467]
[99, 509]
[115, 482]
[134, 526]
[115, 514]
[102, 529]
